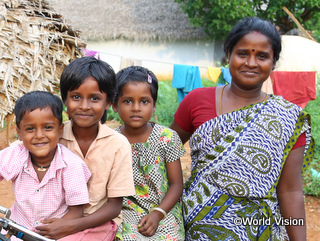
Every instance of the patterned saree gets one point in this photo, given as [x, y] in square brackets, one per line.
[237, 160]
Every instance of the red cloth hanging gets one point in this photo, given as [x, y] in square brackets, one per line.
[296, 87]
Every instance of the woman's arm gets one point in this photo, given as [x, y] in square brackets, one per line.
[74, 212]
[290, 193]
[148, 224]
[184, 135]
[57, 228]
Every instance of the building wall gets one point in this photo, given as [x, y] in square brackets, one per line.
[159, 57]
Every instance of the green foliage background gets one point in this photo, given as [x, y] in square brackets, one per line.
[217, 17]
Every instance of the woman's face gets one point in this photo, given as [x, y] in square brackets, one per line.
[251, 61]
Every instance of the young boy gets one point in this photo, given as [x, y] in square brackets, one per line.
[48, 179]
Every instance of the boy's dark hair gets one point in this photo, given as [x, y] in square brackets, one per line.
[251, 24]
[136, 74]
[38, 100]
[80, 69]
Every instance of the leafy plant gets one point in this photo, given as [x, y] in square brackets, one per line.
[217, 17]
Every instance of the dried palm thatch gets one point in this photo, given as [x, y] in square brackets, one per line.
[35, 46]
[139, 20]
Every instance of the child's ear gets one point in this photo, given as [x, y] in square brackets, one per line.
[154, 108]
[61, 130]
[18, 133]
[108, 105]
[114, 107]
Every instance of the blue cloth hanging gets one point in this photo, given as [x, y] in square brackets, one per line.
[226, 77]
[185, 78]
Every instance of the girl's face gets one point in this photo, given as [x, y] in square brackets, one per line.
[87, 104]
[40, 131]
[135, 106]
[251, 61]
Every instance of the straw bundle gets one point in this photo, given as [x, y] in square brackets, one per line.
[35, 46]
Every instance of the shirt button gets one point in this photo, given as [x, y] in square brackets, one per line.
[38, 190]
[36, 222]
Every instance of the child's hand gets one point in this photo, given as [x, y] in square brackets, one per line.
[148, 224]
[54, 228]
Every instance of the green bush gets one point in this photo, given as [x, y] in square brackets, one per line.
[312, 181]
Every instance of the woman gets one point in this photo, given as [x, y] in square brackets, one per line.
[247, 148]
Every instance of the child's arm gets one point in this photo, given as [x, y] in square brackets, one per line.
[74, 212]
[57, 228]
[148, 224]
[290, 194]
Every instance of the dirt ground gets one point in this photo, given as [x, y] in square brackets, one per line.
[312, 204]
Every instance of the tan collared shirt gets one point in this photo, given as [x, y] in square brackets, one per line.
[110, 162]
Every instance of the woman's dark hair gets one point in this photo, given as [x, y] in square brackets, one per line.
[136, 74]
[38, 100]
[80, 69]
[248, 25]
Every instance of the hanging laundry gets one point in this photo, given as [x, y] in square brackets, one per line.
[225, 78]
[185, 78]
[296, 87]
[214, 73]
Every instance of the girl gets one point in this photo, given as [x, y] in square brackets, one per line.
[87, 88]
[154, 213]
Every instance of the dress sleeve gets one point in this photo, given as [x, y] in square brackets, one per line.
[173, 146]
[183, 115]
[302, 141]
[196, 108]
[12, 162]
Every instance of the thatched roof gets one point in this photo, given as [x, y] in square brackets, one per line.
[130, 19]
[35, 46]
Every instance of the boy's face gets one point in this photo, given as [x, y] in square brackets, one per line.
[40, 132]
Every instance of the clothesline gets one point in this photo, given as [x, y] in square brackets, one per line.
[147, 60]
[187, 77]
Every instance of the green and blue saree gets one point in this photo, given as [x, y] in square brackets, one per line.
[237, 160]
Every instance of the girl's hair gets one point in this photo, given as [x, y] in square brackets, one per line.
[38, 100]
[248, 25]
[136, 74]
[80, 69]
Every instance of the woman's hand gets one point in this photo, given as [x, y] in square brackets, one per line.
[148, 224]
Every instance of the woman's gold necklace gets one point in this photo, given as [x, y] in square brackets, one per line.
[222, 94]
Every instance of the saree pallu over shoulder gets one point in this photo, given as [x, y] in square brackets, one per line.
[237, 160]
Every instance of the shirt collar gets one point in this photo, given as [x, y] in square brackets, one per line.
[103, 132]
